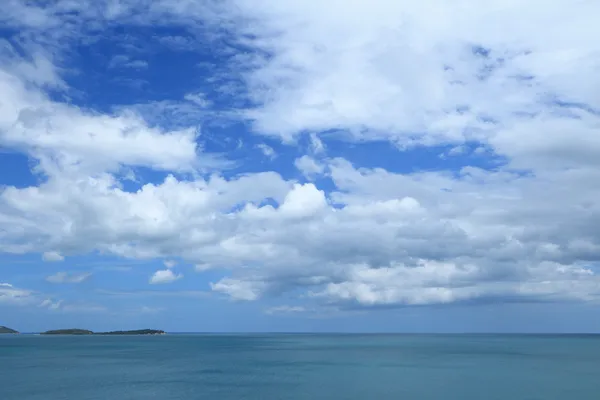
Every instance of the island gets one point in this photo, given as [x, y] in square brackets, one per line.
[4, 329]
[134, 332]
[88, 332]
[68, 332]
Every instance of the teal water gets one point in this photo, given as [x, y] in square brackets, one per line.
[300, 367]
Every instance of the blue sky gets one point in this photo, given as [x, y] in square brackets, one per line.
[299, 166]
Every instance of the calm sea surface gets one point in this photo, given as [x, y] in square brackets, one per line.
[298, 367]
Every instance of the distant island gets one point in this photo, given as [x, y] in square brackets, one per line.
[134, 332]
[68, 332]
[88, 332]
[4, 329]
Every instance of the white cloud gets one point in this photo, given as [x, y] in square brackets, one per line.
[51, 305]
[308, 166]
[20, 14]
[386, 70]
[378, 238]
[316, 145]
[123, 61]
[203, 267]
[457, 151]
[430, 283]
[65, 212]
[46, 303]
[14, 296]
[96, 143]
[267, 150]
[303, 201]
[69, 140]
[199, 99]
[238, 289]
[68, 277]
[164, 276]
[52, 256]
[170, 264]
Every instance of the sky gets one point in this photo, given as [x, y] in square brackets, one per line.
[300, 165]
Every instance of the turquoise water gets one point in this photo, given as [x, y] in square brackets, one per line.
[298, 367]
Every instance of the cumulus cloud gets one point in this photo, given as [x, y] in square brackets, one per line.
[66, 139]
[378, 238]
[68, 277]
[164, 276]
[98, 208]
[95, 143]
[303, 201]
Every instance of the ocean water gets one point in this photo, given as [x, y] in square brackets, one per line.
[300, 367]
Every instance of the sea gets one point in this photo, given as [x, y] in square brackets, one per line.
[300, 367]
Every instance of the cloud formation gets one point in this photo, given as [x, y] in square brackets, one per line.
[409, 74]
[68, 277]
[500, 80]
[11, 295]
[52, 256]
[164, 276]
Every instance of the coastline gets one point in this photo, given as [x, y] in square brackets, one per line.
[85, 332]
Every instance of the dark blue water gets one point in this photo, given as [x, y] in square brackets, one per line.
[300, 367]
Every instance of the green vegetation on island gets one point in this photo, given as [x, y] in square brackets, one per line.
[134, 332]
[68, 332]
[4, 329]
[87, 332]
